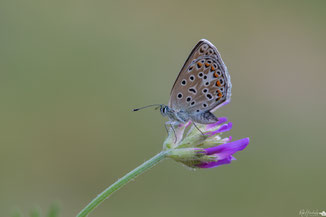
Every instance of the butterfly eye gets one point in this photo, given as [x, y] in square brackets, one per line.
[192, 78]
[180, 95]
[183, 82]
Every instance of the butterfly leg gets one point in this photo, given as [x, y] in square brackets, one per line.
[175, 135]
[171, 125]
[198, 129]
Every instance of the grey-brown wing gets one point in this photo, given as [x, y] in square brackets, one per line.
[203, 83]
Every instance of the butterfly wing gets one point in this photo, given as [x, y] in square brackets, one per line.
[203, 84]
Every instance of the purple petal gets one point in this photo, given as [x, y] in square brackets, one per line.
[215, 164]
[188, 124]
[223, 128]
[220, 121]
[229, 148]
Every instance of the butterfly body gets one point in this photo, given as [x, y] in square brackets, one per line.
[202, 86]
[173, 115]
[182, 116]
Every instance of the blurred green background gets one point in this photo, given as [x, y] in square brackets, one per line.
[71, 71]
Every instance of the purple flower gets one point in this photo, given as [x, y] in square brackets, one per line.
[224, 152]
[203, 148]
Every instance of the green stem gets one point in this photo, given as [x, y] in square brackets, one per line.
[121, 182]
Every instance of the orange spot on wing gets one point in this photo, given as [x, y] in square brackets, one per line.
[215, 75]
[206, 64]
[213, 69]
[219, 94]
[218, 83]
[199, 64]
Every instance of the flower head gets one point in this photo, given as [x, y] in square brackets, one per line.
[203, 147]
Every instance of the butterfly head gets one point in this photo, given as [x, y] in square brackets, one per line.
[165, 110]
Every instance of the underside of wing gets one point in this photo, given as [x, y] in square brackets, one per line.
[203, 83]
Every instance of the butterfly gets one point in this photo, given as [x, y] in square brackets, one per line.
[202, 86]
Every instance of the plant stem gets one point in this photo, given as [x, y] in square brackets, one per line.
[121, 182]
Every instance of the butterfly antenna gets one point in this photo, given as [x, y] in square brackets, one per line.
[137, 109]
